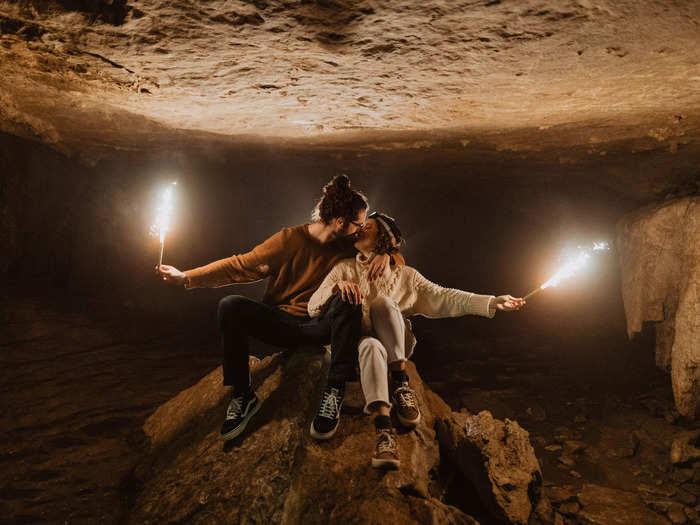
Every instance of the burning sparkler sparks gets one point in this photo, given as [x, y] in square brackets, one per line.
[164, 213]
[572, 267]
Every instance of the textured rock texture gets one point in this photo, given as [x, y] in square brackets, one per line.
[606, 506]
[659, 250]
[275, 473]
[686, 447]
[128, 74]
[498, 459]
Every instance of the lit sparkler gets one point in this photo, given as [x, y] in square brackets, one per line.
[572, 267]
[164, 213]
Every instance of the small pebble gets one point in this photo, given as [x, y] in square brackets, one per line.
[568, 461]
[676, 514]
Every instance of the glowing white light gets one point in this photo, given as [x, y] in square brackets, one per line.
[575, 265]
[164, 213]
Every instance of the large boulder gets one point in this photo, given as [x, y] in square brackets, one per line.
[275, 472]
[659, 249]
[497, 457]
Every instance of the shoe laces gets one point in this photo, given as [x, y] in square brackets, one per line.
[406, 396]
[235, 407]
[329, 404]
[386, 442]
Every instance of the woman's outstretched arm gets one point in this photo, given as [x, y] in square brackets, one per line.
[437, 301]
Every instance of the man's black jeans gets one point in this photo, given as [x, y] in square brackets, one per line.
[240, 318]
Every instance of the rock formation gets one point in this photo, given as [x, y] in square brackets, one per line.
[275, 473]
[498, 458]
[659, 250]
[104, 74]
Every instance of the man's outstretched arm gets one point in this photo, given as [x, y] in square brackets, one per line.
[245, 268]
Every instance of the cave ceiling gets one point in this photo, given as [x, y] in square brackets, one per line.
[580, 78]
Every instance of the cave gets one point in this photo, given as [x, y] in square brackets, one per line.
[500, 134]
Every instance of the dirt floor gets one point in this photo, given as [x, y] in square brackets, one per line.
[77, 384]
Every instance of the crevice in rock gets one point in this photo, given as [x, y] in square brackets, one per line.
[107, 60]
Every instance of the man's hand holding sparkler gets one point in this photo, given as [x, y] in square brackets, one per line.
[171, 275]
[507, 303]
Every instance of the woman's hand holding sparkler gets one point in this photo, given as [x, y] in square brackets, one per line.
[508, 303]
[171, 274]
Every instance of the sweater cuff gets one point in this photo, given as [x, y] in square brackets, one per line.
[481, 305]
[188, 281]
[492, 307]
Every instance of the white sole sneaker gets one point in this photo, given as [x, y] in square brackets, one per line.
[240, 428]
[322, 437]
[408, 423]
[388, 464]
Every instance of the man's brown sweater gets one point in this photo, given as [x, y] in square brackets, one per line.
[295, 262]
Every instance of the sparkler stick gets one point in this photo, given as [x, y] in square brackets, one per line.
[163, 215]
[571, 268]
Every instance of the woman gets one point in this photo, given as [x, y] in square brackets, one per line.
[387, 339]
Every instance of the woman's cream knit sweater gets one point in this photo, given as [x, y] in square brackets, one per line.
[413, 293]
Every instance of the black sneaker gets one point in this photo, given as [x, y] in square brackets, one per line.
[240, 409]
[327, 418]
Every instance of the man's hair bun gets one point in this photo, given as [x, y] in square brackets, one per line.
[339, 184]
[339, 200]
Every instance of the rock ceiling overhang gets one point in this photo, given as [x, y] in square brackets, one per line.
[508, 76]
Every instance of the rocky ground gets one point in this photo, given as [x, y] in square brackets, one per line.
[600, 415]
[78, 385]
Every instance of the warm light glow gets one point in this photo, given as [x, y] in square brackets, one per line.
[575, 265]
[164, 213]
[568, 270]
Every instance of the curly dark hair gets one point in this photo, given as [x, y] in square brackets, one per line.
[339, 200]
[384, 243]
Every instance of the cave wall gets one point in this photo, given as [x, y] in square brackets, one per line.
[485, 227]
[660, 261]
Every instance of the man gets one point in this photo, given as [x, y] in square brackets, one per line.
[296, 260]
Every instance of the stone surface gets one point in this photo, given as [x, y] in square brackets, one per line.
[607, 506]
[594, 73]
[686, 447]
[659, 248]
[499, 460]
[558, 495]
[275, 472]
[676, 513]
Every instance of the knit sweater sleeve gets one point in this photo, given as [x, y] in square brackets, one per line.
[324, 292]
[261, 261]
[435, 301]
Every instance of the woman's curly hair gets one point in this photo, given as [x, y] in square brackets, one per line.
[339, 200]
[384, 244]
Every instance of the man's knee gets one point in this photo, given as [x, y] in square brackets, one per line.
[383, 305]
[231, 307]
[370, 348]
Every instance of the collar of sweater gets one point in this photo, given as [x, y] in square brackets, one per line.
[364, 260]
